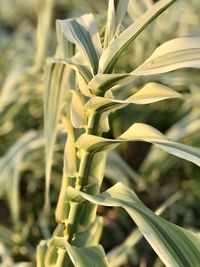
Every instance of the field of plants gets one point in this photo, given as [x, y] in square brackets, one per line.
[100, 133]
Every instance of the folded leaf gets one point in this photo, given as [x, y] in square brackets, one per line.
[119, 254]
[174, 245]
[174, 54]
[150, 93]
[140, 132]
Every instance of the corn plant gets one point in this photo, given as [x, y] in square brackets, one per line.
[81, 81]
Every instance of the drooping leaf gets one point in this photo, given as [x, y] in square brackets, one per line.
[119, 254]
[150, 93]
[174, 245]
[186, 126]
[174, 54]
[140, 132]
[117, 47]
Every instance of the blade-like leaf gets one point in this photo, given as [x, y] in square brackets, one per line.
[57, 75]
[140, 132]
[117, 47]
[83, 33]
[77, 111]
[174, 54]
[83, 73]
[174, 245]
[10, 168]
[150, 93]
[40, 253]
[87, 256]
[118, 255]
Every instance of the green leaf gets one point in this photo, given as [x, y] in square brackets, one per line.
[93, 256]
[57, 75]
[174, 245]
[43, 32]
[10, 168]
[77, 112]
[140, 132]
[83, 73]
[150, 93]
[119, 254]
[83, 33]
[118, 46]
[116, 12]
[65, 49]
[174, 54]
[40, 253]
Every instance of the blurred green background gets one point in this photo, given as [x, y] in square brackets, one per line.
[27, 37]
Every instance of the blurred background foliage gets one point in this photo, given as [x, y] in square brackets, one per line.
[27, 37]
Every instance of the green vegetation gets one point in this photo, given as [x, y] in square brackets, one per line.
[105, 70]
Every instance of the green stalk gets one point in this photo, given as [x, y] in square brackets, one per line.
[78, 217]
[87, 210]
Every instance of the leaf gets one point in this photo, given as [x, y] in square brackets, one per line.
[150, 93]
[77, 112]
[88, 238]
[174, 245]
[43, 32]
[93, 256]
[119, 254]
[10, 169]
[40, 253]
[116, 12]
[83, 33]
[118, 46]
[140, 132]
[174, 54]
[83, 73]
[57, 75]
[65, 49]
[186, 126]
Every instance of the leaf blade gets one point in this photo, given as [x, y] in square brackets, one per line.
[174, 245]
[93, 256]
[116, 48]
[172, 55]
[140, 132]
